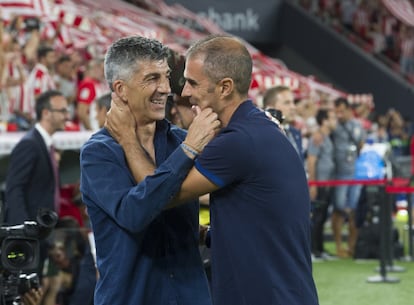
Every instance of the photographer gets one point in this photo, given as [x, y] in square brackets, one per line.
[70, 251]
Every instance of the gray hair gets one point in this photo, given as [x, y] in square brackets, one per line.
[104, 101]
[124, 55]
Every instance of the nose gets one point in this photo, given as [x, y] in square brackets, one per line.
[164, 86]
[185, 92]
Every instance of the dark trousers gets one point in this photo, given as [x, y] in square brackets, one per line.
[319, 216]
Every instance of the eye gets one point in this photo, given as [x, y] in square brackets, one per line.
[191, 82]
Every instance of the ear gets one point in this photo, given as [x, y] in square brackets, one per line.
[45, 113]
[226, 86]
[120, 89]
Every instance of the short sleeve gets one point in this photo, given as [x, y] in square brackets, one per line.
[224, 158]
[86, 93]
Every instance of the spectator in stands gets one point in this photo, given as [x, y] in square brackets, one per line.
[378, 132]
[388, 25]
[181, 112]
[407, 51]
[375, 31]
[361, 19]
[90, 88]
[305, 118]
[397, 134]
[348, 138]
[251, 201]
[347, 9]
[13, 79]
[412, 157]
[321, 166]
[281, 98]
[145, 253]
[363, 113]
[103, 104]
[16, 28]
[26, 31]
[70, 250]
[65, 81]
[39, 80]
[32, 181]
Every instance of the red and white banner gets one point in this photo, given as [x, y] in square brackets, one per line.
[27, 8]
[93, 25]
[401, 9]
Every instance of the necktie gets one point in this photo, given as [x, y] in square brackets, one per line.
[56, 176]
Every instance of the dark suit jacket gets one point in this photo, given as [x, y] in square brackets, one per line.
[30, 183]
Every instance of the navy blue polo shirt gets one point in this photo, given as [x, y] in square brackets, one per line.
[260, 216]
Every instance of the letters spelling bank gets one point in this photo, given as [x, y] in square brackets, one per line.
[237, 21]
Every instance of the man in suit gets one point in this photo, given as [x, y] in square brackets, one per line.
[281, 98]
[32, 181]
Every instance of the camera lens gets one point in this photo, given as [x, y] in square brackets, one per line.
[19, 254]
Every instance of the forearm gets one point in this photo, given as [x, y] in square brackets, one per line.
[10, 82]
[85, 122]
[139, 163]
[194, 186]
[107, 182]
[311, 167]
[82, 113]
[141, 166]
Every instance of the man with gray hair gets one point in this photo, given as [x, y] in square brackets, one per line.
[146, 254]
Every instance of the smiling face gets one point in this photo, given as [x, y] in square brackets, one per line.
[56, 115]
[147, 91]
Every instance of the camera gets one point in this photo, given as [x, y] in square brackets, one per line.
[13, 286]
[19, 256]
[31, 24]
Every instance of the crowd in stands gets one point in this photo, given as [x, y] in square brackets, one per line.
[370, 24]
[391, 127]
[30, 65]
